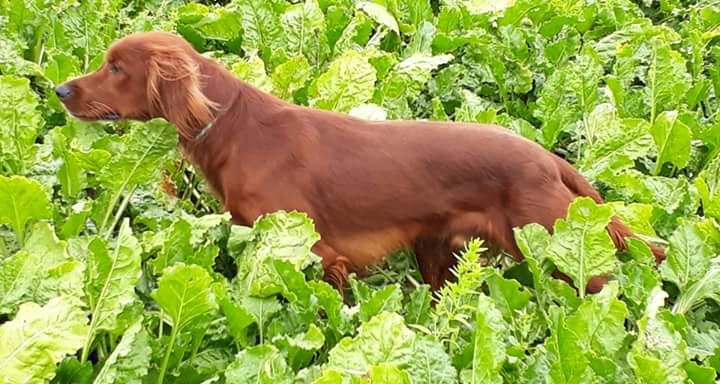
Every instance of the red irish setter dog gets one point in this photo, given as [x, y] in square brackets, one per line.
[370, 187]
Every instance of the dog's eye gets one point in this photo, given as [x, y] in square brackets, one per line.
[114, 68]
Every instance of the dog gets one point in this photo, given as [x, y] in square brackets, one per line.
[370, 187]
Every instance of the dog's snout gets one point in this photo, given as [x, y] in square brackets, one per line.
[63, 91]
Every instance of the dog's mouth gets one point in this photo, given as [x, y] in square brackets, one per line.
[105, 116]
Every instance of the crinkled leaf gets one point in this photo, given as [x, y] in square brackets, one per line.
[707, 287]
[290, 76]
[566, 357]
[383, 339]
[262, 364]
[348, 82]
[261, 27]
[38, 338]
[304, 27]
[300, 348]
[252, 70]
[581, 246]
[281, 236]
[708, 185]
[388, 374]
[667, 80]
[22, 200]
[20, 122]
[185, 295]
[688, 257]
[658, 354]
[430, 364]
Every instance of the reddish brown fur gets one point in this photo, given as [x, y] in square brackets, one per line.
[370, 187]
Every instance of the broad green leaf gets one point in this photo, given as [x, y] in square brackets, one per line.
[300, 348]
[304, 27]
[667, 80]
[20, 122]
[39, 272]
[708, 185]
[184, 294]
[581, 246]
[430, 364]
[688, 257]
[261, 364]
[38, 338]
[380, 14]
[566, 357]
[111, 277]
[487, 345]
[383, 339]
[22, 200]
[708, 286]
[672, 138]
[507, 294]
[71, 175]
[252, 70]
[613, 143]
[568, 93]
[373, 302]
[130, 360]
[388, 374]
[220, 24]
[281, 236]
[599, 325]
[658, 354]
[290, 76]
[348, 82]
[698, 374]
[261, 27]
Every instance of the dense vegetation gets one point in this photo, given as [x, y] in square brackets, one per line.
[116, 265]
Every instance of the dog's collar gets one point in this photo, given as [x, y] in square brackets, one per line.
[203, 132]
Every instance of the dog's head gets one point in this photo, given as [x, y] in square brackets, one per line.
[144, 75]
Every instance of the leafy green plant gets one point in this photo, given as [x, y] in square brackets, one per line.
[117, 266]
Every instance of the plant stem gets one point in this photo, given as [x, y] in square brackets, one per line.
[166, 359]
[119, 213]
[86, 347]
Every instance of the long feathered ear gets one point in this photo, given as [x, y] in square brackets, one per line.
[173, 87]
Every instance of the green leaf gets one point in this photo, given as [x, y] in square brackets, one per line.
[659, 353]
[566, 357]
[22, 200]
[613, 143]
[380, 14]
[38, 338]
[252, 70]
[688, 257]
[261, 27]
[388, 374]
[276, 236]
[488, 345]
[581, 246]
[570, 92]
[130, 360]
[667, 80]
[71, 175]
[111, 277]
[698, 374]
[707, 287]
[672, 138]
[383, 339]
[184, 295]
[348, 82]
[262, 364]
[299, 349]
[430, 364]
[304, 27]
[290, 76]
[20, 122]
[708, 185]
[39, 272]
[599, 325]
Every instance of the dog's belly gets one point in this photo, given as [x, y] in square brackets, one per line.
[368, 248]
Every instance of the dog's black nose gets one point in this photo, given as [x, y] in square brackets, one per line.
[63, 91]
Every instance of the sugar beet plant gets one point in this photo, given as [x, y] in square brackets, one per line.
[116, 266]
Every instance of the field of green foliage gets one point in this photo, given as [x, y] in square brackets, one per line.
[118, 266]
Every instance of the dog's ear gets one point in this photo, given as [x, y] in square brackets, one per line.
[173, 89]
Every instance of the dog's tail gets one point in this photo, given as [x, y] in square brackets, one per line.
[617, 229]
